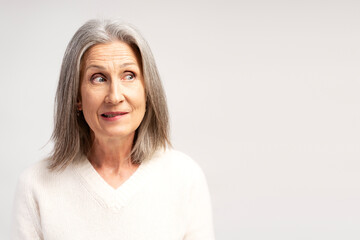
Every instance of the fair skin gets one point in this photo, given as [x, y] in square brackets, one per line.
[113, 103]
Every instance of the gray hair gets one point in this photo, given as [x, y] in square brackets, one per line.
[72, 135]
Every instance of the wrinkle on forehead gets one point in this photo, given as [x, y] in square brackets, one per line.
[113, 51]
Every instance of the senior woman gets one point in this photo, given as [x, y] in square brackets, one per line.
[112, 173]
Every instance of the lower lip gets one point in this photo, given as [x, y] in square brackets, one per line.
[115, 118]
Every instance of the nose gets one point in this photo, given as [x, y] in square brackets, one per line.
[115, 94]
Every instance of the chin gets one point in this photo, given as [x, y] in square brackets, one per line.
[120, 134]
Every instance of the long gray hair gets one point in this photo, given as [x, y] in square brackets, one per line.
[72, 135]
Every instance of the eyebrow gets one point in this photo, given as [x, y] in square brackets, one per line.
[124, 65]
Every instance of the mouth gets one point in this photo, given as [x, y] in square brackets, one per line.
[113, 114]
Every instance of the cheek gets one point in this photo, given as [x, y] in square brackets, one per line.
[139, 98]
[90, 101]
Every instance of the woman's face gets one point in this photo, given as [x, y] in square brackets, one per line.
[112, 90]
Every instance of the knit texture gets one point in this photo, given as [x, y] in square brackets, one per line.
[165, 199]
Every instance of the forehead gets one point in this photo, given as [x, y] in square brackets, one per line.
[113, 51]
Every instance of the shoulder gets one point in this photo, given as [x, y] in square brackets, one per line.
[179, 166]
[38, 177]
[178, 160]
[34, 172]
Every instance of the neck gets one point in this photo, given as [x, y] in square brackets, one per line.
[111, 154]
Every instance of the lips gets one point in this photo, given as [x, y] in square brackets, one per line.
[113, 114]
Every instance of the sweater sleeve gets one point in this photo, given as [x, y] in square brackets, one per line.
[26, 217]
[200, 222]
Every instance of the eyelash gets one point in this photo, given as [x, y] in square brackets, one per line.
[130, 74]
[97, 75]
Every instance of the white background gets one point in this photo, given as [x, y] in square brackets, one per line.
[264, 95]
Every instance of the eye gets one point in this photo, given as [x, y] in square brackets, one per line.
[129, 76]
[97, 79]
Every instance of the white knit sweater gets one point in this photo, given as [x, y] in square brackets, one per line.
[165, 199]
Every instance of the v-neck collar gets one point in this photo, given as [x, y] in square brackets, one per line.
[105, 194]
